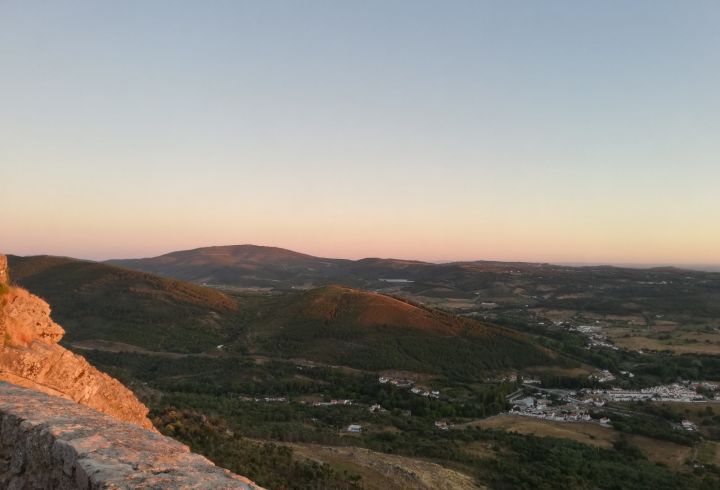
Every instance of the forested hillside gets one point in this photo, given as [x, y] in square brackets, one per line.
[96, 301]
[367, 330]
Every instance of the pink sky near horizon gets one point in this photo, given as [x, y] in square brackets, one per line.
[389, 239]
[94, 214]
[526, 131]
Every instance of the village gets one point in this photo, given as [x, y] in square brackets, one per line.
[540, 408]
[558, 405]
[675, 392]
[577, 406]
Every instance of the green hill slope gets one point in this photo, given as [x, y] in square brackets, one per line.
[367, 330]
[332, 324]
[95, 301]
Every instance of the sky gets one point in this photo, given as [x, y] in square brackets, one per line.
[559, 131]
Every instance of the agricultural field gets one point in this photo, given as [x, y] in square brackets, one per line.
[686, 339]
[381, 471]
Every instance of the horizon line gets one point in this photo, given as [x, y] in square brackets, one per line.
[707, 267]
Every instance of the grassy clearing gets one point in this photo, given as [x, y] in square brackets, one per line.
[708, 453]
[575, 372]
[665, 452]
[692, 409]
[668, 453]
[380, 471]
[586, 433]
[678, 346]
[690, 340]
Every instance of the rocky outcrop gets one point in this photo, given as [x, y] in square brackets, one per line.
[4, 276]
[48, 442]
[31, 357]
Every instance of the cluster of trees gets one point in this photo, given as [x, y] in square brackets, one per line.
[652, 426]
[271, 465]
[529, 462]
[462, 357]
[549, 463]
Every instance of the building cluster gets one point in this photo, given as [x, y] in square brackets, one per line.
[399, 382]
[675, 392]
[421, 392]
[407, 383]
[575, 405]
[333, 403]
[539, 407]
[596, 339]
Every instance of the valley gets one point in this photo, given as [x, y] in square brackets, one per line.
[296, 377]
[659, 309]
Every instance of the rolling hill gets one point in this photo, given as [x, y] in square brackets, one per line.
[331, 324]
[259, 266]
[241, 265]
[683, 295]
[346, 326]
[102, 302]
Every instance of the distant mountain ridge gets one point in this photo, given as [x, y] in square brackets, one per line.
[456, 285]
[257, 265]
[246, 265]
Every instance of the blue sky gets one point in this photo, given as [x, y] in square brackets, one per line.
[518, 130]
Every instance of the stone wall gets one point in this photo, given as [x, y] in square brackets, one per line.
[47, 442]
